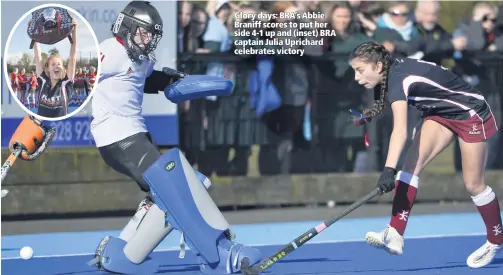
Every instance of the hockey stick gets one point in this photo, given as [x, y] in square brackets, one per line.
[10, 162]
[301, 240]
[7, 166]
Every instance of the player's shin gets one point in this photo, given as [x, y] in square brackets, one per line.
[405, 195]
[176, 189]
[130, 229]
[488, 206]
[113, 254]
[151, 231]
[128, 232]
[128, 254]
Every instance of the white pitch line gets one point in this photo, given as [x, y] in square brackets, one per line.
[176, 248]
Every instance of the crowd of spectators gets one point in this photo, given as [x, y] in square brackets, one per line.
[305, 129]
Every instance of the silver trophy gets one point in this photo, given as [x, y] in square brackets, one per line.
[49, 15]
[49, 26]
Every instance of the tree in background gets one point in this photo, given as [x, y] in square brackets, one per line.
[54, 51]
[27, 61]
[86, 62]
[453, 12]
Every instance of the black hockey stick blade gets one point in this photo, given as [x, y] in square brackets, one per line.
[302, 239]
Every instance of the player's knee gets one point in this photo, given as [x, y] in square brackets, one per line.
[169, 166]
[474, 185]
[138, 177]
[203, 179]
[144, 187]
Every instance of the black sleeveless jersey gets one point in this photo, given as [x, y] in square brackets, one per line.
[434, 90]
[53, 102]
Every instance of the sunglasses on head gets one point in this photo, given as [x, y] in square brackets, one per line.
[398, 13]
[488, 18]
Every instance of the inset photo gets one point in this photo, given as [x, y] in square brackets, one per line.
[51, 62]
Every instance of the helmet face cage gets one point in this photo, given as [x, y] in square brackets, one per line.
[148, 48]
[126, 27]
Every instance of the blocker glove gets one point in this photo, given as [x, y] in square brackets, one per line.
[31, 138]
[386, 182]
[177, 75]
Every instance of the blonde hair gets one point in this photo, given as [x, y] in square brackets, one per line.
[479, 10]
[46, 66]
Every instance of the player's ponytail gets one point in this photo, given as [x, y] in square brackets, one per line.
[373, 52]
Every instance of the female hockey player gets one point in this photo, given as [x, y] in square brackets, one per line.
[176, 194]
[55, 83]
[452, 109]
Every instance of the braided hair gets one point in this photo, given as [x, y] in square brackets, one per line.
[372, 52]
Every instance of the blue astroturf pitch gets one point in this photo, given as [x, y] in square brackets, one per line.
[435, 244]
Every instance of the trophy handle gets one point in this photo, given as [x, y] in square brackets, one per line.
[32, 44]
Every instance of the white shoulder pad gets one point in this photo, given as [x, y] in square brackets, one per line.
[113, 58]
